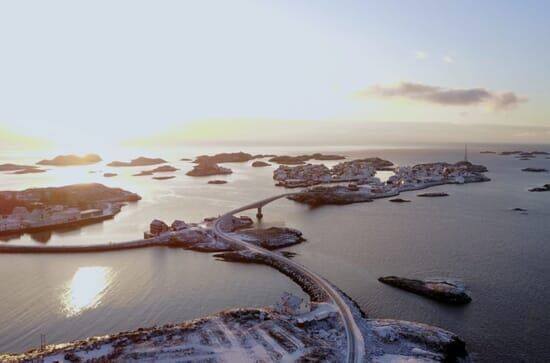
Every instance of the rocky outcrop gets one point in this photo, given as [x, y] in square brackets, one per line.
[224, 158]
[164, 177]
[399, 200]
[29, 171]
[260, 164]
[535, 170]
[338, 195]
[140, 161]
[159, 169]
[272, 238]
[109, 175]
[68, 160]
[302, 159]
[208, 169]
[217, 181]
[444, 290]
[433, 195]
[544, 188]
[17, 167]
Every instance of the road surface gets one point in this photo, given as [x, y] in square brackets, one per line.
[356, 345]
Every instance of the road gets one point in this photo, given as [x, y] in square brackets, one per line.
[356, 345]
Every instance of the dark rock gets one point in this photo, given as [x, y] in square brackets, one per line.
[29, 171]
[487, 152]
[217, 181]
[535, 170]
[544, 188]
[163, 177]
[109, 175]
[208, 169]
[259, 164]
[443, 290]
[433, 195]
[399, 200]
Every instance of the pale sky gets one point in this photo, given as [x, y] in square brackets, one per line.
[85, 74]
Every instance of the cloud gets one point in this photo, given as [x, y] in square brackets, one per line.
[445, 96]
[448, 59]
[419, 54]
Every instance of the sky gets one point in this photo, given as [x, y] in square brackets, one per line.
[82, 75]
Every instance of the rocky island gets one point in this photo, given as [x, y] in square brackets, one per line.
[140, 161]
[260, 164]
[544, 188]
[208, 169]
[445, 290]
[238, 157]
[217, 181]
[20, 169]
[535, 170]
[159, 169]
[301, 159]
[70, 160]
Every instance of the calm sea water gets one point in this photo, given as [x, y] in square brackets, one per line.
[503, 256]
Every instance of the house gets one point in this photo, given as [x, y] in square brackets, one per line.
[157, 227]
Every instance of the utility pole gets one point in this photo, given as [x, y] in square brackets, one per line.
[465, 152]
[42, 341]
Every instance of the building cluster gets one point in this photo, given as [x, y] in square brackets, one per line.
[21, 219]
[459, 173]
[158, 227]
[310, 174]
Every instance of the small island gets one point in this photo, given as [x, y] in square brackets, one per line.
[238, 157]
[535, 170]
[159, 169]
[217, 181]
[449, 291]
[71, 160]
[109, 175]
[260, 164]
[302, 159]
[208, 169]
[433, 195]
[544, 188]
[140, 161]
[20, 169]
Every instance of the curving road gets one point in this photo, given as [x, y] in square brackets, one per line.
[356, 345]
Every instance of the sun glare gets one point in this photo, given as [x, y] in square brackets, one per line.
[86, 289]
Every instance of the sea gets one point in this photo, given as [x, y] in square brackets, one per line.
[503, 256]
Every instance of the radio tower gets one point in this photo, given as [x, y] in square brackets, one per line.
[465, 152]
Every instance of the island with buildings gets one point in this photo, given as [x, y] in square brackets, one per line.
[363, 184]
[44, 209]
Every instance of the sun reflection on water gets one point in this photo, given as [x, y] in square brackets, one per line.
[86, 289]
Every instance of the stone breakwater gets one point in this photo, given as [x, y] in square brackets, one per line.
[309, 286]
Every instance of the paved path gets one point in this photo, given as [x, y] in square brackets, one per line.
[356, 345]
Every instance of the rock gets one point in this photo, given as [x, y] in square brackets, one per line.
[109, 175]
[433, 195]
[260, 164]
[444, 290]
[535, 170]
[29, 171]
[487, 152]
[519, 209]
[399, 200]
[16, 167]
[140, 161]
[164, 169]
[208, 169]
[224, 158]
[68, 160]
[185, 159]
[544, 188]
[163, 177]
[178, 225]
[301, 159]
[318, 196]
[144, 173]
[217, 181]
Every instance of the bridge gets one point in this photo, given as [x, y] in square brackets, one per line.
[356, 345]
